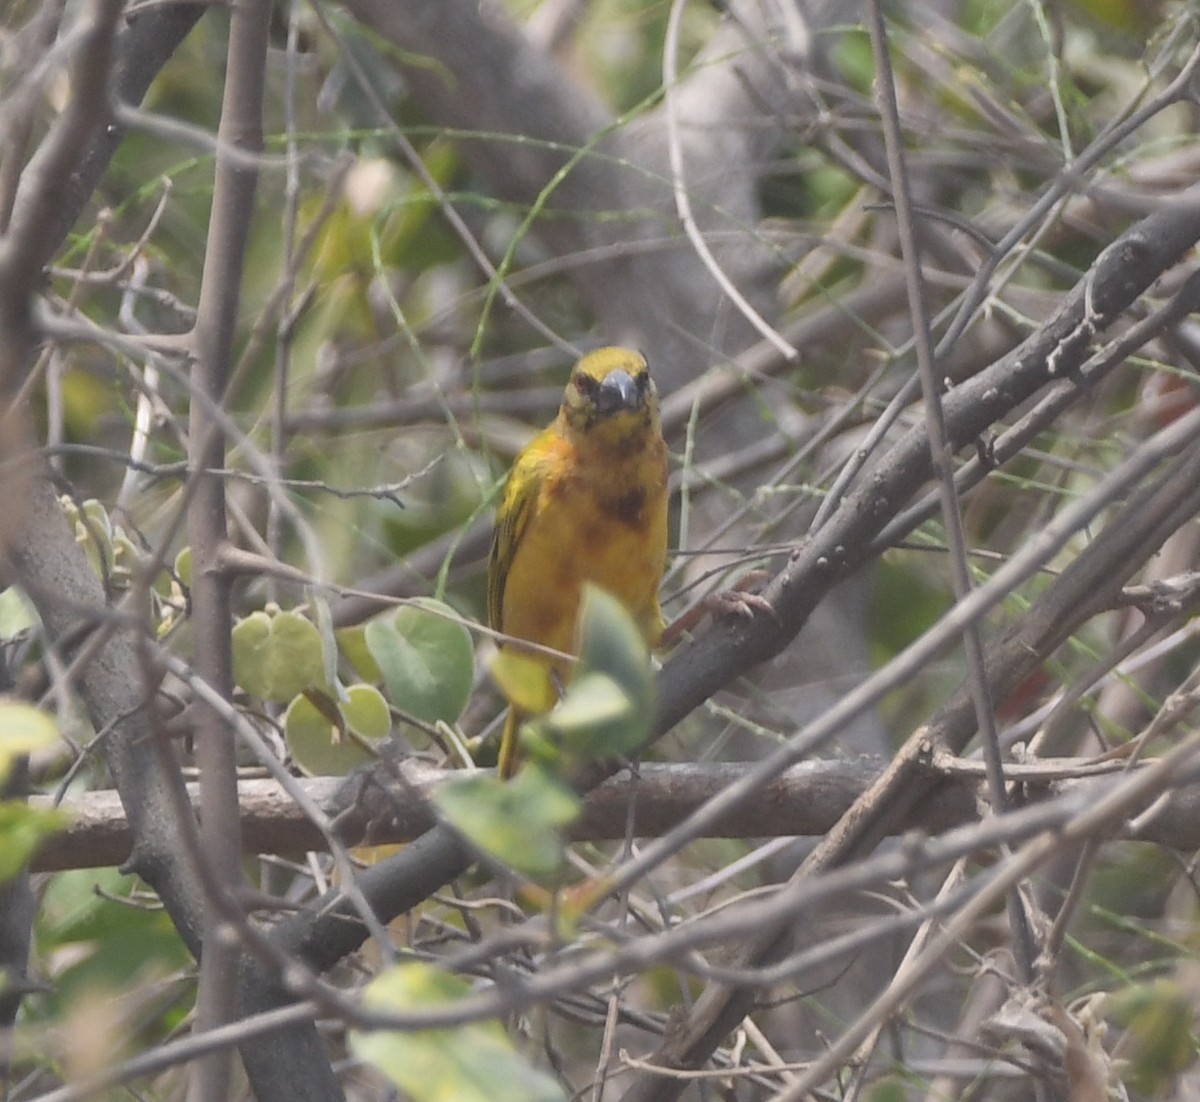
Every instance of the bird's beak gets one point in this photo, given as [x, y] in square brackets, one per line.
[617, 392]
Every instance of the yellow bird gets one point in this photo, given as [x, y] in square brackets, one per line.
[585, 501]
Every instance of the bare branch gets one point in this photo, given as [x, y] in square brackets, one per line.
[805, 800]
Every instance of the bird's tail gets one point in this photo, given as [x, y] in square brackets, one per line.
[507, 762]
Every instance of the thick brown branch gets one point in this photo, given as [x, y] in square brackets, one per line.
[806, 800]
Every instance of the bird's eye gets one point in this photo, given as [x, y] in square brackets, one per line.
[586, 385]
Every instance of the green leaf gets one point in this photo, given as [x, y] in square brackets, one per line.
[519, 822]
[97, 946]
[610, 643]
[596, 718]
[366, 712]
[93, 532]
[474, 1062]
[426, 660]
[892, 1089]
[183, 566]
[323, 748]
[329, 650]
[352, 643]
[277, 655]
[608, 708]
[1160, 1044]
[22, 829]
[524, 680]
[23, 729]
[16, 615]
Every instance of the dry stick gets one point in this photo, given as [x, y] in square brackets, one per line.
[1128, 791]
[28, 240]
[489, 1004]
[808, 800]
[286, 325]
[983, 998]
[573, 972]
[59, 180]
[1147, 518]
[23, 246]
[1034, 220]
[942, 457]
[1052, 730]
[24, 96]
[82, 329]
[843, 545]
[950, 884]
[212, 618]
[1063, 184]
[49, 188]
[683, 202]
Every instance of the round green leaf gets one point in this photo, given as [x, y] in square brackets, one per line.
[596, 719]
[16, 614]
[23, 729]
[520, 821]
[608, 707]
[366, 712]
[610, 643]
[474, 1062]
[352, 643]
[594, 699]
[183, 566]
[324, 749]
[426, 660]
[276, 656]
[22, 829]
[524, 680]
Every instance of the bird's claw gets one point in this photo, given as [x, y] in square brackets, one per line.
[734, 601]
[739, 601]
[729, 602]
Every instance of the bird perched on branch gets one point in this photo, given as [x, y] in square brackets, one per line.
[585, 501]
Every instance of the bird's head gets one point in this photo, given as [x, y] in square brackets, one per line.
[610, 396]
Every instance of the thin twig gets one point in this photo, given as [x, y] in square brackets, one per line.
[234, 187]
[683, 202]
[942, 457]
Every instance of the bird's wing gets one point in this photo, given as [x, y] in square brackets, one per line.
[517, 505]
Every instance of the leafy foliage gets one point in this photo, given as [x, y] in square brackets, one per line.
[519, 822]
[425, 658]
[473, 1063]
